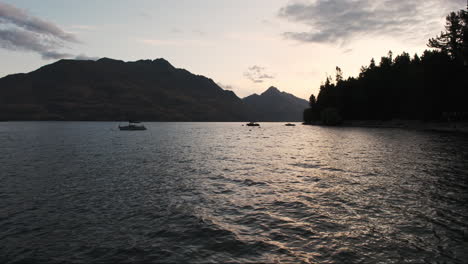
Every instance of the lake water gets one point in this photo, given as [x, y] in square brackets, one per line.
[85, 192]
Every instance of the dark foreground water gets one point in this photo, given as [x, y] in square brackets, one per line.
[77, 192]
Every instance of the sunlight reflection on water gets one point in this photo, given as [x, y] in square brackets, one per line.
[199, 192]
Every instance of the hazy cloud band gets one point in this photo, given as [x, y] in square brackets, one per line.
[337, 21]
[257, 74]
[21, 31]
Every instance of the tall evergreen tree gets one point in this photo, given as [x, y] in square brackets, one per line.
[452, 41]
[339, 74]
[464, 18]
[312, 100]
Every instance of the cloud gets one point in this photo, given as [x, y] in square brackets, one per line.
[339, 21]
[225, 86]
[16, 39]
[21, 31]
[19, 17]
[85, 57]
[257, 74]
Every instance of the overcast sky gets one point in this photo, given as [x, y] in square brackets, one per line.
[244, 45]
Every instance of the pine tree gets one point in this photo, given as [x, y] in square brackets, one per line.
[339, 74]
[453, 40]
[312, 100]
[464, 18]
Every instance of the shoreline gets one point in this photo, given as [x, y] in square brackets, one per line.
[453, 127]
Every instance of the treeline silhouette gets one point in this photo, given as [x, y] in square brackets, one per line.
[433, 86]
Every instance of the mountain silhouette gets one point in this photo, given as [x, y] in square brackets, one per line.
[274, 105]
[147, 90]
[109, 89]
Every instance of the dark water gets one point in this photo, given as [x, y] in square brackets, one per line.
[207, 192]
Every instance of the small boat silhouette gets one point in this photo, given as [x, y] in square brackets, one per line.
[132, 126]
[253, 124]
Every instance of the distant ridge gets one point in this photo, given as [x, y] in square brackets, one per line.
[109, 89]
[274, 105]
[146, 90]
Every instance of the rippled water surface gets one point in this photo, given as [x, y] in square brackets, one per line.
[79, 192]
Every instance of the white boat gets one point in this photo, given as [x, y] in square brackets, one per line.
[132, 126]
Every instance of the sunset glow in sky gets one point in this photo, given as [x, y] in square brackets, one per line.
[244, 45]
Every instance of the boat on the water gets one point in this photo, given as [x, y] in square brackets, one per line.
[289, 124]
[253, 124]
[133, 126]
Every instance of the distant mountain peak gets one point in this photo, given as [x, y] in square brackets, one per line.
[108, 60]
[272, 90]
[274, 105]
[163, 62]
[159, 62]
